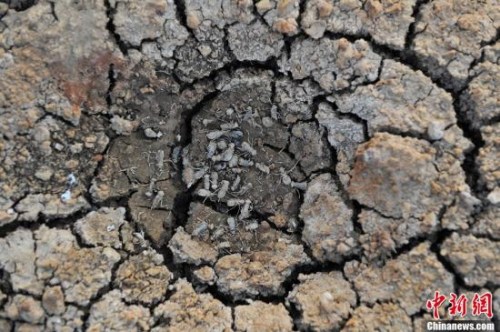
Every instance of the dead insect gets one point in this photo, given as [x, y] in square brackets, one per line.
[204, 193]
[150, 133]
[263, 168]
[245, 211]
[158, 200]
[149, 192]
[245, 162]
[206, 122]
[245, 188]
[211, 148]
[66, 196]
[233, 162]
[218, 233]
[236, 183]
[236, 135]
[206, 182]
[214, 179]
[224, 245]
[226, 155]
[235, 202]
[176, 154]
[246, 147]
[267, 122]
[220, 166]
[216, 134]
[221, 145]
[231, 222]
[72, 181]
[229, 126]
[160, 156]
[223, 189]
[274, 112]
[285, 178]
[252, 226]
[299, 185]
[200, 229]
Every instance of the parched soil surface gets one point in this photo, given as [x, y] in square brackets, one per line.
[238, 165]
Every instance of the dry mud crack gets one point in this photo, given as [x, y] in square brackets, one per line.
[272, 165]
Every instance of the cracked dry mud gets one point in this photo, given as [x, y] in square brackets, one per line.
[237, 165]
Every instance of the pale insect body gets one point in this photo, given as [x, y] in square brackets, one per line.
[72, 181]
[235, 202]
[236, 183]
[218, 233]
[245, 162]
[285, 178]
[160, 156]
[149, 192]
[263, 168]
[233, 162]
[246, 147]
[214, 179]
[231, 222]
[245, 211]
[211, 148]
[206, 182]
[220, 166]
[252, 226]
[158, 200]
[213, 135]
[66, 196]
[221, 145]
[226, 155]
[200, 229]
[299, 185]
[223, 189]
[204, 193]
[229, 126]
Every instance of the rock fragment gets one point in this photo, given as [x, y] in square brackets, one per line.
[488, 157]
[479, 100]
[81, 272]
[449, 35]
[334, 64]
[419, 186]
[487, 223]
[409, 280]
[382, 317]
[280, 15]
[402, 101]
[328, 229]
[102, 227]
[387, 22]
[254, 42]
[475, 259]
[50, 206]
[324, 300]
[262, 271]
[382, 236]
[294, 100]
[53, 301]
[17, 257]
[317, 155]
[260, 316]
[25, 309]
[135, 22]
[143, 278]
[110, 313]
[186, 310]
[187, 250]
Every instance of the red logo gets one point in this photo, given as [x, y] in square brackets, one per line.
[481, 304]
